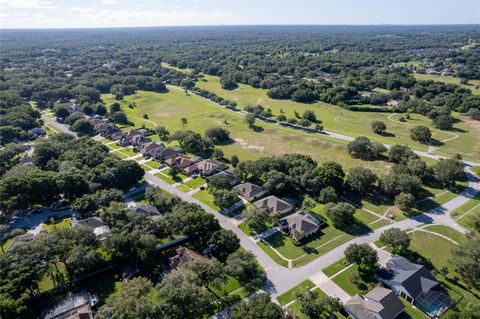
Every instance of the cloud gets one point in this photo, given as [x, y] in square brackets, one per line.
[110, 2]
[28, 4]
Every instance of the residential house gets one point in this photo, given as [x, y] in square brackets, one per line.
[300, 225]
[180, 162]
[205, 168]
[249, 191]
[147, 209]
[379, 303]
[416, 284]
[183, 256]
[35, 133]
[149, 148]
[162, 154]
[76, 307]
[29, 236]
[138, 140]
[100, 228]
[229, 175]
[273, 204]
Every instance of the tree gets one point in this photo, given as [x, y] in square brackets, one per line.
[182, 295]
[224, 198]
[281, 118]
[365, 149]
[224, 242]
[209, 271]
[405, 201]
[234, 160]
[277, 182]
[309, 115]
[250, 119]
[258, 307]
[341, 214]
[363, 255]
[115, 107]
[465, 260]
[257, 218]
[443, 122]
[162, 132]
[378, 127]
[227, 82]
[9, 133]
[120, 118]
[184, 122]
[400, 154]
[397, 239]
[396, 183]
[448, 171]
[132, 301]
[83, 127]
[314, 307]
[421, 134]
[420, 168]
[361, 179]
[217, 135]
[219, 182]
[61, 111]
[242, 265]
[217, 153]
[327, 195]
[474, 113]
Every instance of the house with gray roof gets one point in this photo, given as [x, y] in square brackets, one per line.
[416, 284]
[379, 303]
[147, 209]
[205, 168]
[273, 204]
[162, 154]
[73, 307]
[300, 225]
[100, 228]
[249, 191]
[150, 148]
[229, 175]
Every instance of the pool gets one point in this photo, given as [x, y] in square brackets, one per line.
[434, 302]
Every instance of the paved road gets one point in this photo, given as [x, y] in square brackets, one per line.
[58, 126]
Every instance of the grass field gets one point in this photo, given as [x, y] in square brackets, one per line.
[339, 120]
[290, 295]
[168, 108]
[66, 223]
[335, 267]
[447, 231]
[195, 183]
[449, 80]
[344, 281]
[466, 221]
[206, 198]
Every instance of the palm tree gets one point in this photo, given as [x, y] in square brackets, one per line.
[184, 122]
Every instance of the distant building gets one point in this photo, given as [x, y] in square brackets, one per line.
[147, 209]
[273, 204]
[183, 256]
[379, 303]
[100, 228]
[249, 191]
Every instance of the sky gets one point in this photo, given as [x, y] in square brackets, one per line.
[123, 13]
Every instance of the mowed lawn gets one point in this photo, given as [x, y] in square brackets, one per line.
[334, 118]
[168, 108]
[449, 80]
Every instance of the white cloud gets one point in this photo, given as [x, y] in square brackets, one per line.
[110, 2]
[28, 4]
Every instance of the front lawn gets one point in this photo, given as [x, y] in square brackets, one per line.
[183, 188]
[447, 231]
[269, 251]
[290, 295]
[195, 182]
[354, 282]
[165, 178]
[335, 267]
[206, 198]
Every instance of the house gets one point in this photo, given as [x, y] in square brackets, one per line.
[180, 162]
[76, 307]
[300, 225]
[183, 256]
[273, 204]
[229, 175]
[379, 303]
[249, 191]
[130, 133]
[162, 154]
[147, 209]
[112, 131]
[35, 133]
[205, 168]
[149, 148]
[100, 228]
[138, 140]
[31, 235]
[416, 284]
[393, 103]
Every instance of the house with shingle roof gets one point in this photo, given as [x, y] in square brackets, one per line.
[183, 256]
[162, 154]
[300, 225]
[180, 162]
[273, 204]
[205, 168]
[249, 191]
[147, 209]
[100, 228]
[379, 303]
[229, 175]
[149, 148]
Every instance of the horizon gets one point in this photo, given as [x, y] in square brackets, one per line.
[90, 14]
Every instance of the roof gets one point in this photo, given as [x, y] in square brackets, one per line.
[248, 190]
[301, 222]
[147, 209]
[179, 161]
[92, 222]
[229, 175]
[184, 255]
[76, 307]
[209, 165]
[415, 278]
[274, 204]
[150, 146]
[379, 302]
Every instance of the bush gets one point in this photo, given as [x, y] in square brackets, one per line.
[378, 127]
[421, 134]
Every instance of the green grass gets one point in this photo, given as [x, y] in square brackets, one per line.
[335, 267]
[243, 227]
[269, 251]
[6, 246]
[195, 183]
[466, 221]
[230, 285]
[411, 311]
[66, 223]
[447, 231]
[430, 203]
[343, 280]
[476, 170]
[183, 188]
[449, 80]
[165, 178]
[168, 108]
[206, 198]
[295, 307]
[467, 206]
[290, 295]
